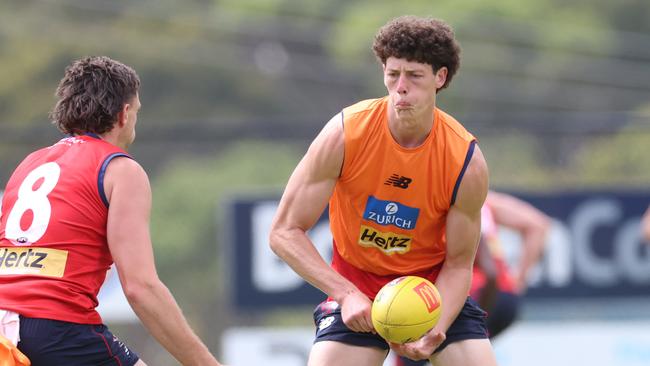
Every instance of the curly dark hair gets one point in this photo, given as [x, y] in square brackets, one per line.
[425, 40]
[92, 93]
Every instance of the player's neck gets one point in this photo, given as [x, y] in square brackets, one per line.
[113, 138]
[410, 131]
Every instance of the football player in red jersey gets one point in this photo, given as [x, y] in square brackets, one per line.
[72, 209]
[645, 225]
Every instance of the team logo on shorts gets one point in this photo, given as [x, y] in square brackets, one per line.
[121, 345]
[387, 213]
[326, 322]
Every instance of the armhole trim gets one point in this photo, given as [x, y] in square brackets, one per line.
[343, 128]
[102, 173]
[468, 158]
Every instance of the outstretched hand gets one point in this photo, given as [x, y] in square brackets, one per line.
[421, 349]
[355, 311]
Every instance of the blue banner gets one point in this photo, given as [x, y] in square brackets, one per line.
[594, 249]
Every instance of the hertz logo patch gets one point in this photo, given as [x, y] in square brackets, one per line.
[388, 242]
[36, 261]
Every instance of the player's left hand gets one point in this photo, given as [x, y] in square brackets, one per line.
[421, 349]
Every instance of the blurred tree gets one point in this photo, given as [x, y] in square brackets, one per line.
[223, 62]
[615, 156]
[186, 227]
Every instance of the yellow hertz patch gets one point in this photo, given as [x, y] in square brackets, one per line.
[388, 242]
[31, 260]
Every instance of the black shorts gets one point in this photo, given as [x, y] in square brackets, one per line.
[56, 343]
[470, 324]
[504, 312]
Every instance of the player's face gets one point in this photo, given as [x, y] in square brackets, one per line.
[412, 86]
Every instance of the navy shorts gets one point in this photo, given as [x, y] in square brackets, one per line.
[56, 343]
[503, 313]
[470, 324]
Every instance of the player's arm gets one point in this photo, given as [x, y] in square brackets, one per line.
[645, 226]
[532, 224]
[127, 188]
[454, 279]
[305, 197]
[463, 232]
[485, 262]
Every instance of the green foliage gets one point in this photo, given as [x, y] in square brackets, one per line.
[186, 197]
[552, 25]
[521, 161]
[614, 161]
[515, 160]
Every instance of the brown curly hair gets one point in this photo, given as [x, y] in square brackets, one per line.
[92, 93]
[425, 40]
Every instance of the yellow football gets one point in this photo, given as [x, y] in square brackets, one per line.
[406, 308]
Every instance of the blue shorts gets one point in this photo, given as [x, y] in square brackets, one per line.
[470, 324]
[51, 342]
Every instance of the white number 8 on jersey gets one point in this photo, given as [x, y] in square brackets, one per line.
[34, 200]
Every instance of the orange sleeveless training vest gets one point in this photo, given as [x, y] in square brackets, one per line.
[388, 210]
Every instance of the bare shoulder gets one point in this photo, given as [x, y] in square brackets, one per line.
[123, 165]
[313, 180]
[334, 126]
[327, 150]
[331, 136]
[127, 175]
[477, 164]
[474, 185]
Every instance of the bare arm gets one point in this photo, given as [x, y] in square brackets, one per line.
[645, 226]
[532, 224]
[304, 199]
[129, 193]
[463, 232]
[454, 279]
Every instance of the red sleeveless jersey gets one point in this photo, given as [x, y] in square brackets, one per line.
[490, 237]
[389, 207]
[53, 249]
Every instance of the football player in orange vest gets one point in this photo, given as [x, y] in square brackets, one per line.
[405, 183]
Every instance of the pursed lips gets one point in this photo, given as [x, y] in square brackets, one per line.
[403, 105]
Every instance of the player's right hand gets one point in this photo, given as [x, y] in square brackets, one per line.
[355, 311]
[423, 348]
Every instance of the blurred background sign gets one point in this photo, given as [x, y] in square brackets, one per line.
[594, 250]
[261, 279]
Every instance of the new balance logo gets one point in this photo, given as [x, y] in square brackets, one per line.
[398, 181]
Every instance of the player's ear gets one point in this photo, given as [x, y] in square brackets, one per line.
[121, 115]
[441, 77]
